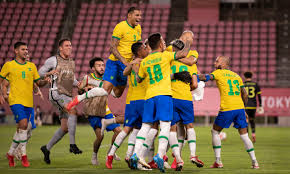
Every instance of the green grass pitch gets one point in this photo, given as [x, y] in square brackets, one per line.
[272, 151]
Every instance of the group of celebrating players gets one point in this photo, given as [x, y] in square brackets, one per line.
[159, 95]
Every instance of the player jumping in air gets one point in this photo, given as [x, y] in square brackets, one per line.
[124, 35]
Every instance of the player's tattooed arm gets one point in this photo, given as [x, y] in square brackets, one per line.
[188, 61]
[4, 88]
[183, 53]
[205, 77]
[244, 95]
[115, 52]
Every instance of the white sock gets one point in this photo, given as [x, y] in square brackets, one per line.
[249, 146]
[109, 121]
[141, 137]
[150, 153]
[191, 137]
[29, 130]
[216, 144]
[14, 144]
[95, 92]
[174, 146]
[180, 136]
[22, 134]
[131, 142]
[117, 143]
[163, 137]
[148, 142]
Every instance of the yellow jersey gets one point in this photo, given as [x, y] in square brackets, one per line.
[127, 36]
[229, 84]
[155, 70]
[108, 111]
[138, 90]
[21, 78]
[181, 90]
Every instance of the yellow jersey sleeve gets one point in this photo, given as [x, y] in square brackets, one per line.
[118, 32]
[169, 48]
[169, 56]
[141, 73]
[216, 74]
[35, 73]
[5, 70]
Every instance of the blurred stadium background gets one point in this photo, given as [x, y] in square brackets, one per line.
[254, 33]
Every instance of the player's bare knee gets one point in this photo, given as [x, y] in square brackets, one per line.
[23, 124]
[188, 126]
[173, 128]
[117, 130]
[243, 131]
[217, 128]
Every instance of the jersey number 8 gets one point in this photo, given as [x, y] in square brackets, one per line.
[157, 74]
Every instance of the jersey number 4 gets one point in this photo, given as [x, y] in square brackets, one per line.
[157, 74]
[236, 83]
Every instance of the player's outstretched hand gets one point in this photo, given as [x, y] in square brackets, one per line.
[183, 76]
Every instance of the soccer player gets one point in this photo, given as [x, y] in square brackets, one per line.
[124, 35]
[21, 74]
[60, 68]
[253, 90]
[183, 106]
[96, 108]
[134, 105]
[233, 99]
[155, 70]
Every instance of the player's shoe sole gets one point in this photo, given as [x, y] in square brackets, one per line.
[196, 161]
[160, 163]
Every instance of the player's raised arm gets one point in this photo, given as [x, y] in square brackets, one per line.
[205, 77]
[189, 60]
[184, 52]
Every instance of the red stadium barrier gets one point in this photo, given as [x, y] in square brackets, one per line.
[276, 102]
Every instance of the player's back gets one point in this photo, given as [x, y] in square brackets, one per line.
[180, 89]
[252, 89]
[229, 84]
[156, 70]
[137, 90]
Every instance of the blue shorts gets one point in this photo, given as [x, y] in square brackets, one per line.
[225, 119]
[96, 122]
[21, 112]
[158, 108]
[182, 111]
[133, 113]
[114, 73]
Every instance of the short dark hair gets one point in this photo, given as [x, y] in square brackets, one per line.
[135, 48]
[154, 40]
[61, 41]
[248, 74]
[132, 9]
[92, 62]
[18, 44]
